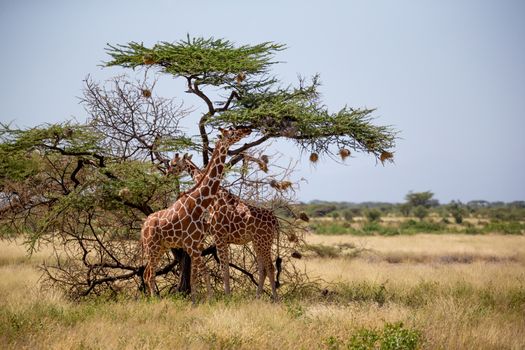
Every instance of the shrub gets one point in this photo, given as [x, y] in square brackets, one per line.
[348, 215]
[392, 336]
[332, 343]
[363, 339]
[510, 228]
[396, 336]
[412, 226]
[373, 215]
[420, 212]
[457, 211]
[374, 227]
[371, 227]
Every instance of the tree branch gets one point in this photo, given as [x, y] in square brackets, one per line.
[212, 250]
[195, 89]
[80, 164]
[205, 139]
[96, 282]
[249, 145]
[228, 102]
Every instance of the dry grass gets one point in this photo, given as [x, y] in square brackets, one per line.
[431, 243]
[477, 304]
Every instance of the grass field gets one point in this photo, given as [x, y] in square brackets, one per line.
[449, 292]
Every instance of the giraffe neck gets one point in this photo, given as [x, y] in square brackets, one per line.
[194, 170]
[206, 189]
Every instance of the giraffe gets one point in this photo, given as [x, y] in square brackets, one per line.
[233, 221]
[181, 225]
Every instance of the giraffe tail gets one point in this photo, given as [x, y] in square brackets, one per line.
[141, 246]
[278, 260]
[142, 265]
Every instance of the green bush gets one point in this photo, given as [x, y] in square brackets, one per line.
[332, 343]
[396, 336]
[412, 226]
[420, 212]
[363, 339]
[374, 227]
[393, 336]
[348, 215]
[373, 215]
[371, 227]
[510, 228]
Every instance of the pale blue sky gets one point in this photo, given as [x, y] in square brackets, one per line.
[450, 75]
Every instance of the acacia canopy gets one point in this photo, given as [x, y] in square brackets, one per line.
[255, 99]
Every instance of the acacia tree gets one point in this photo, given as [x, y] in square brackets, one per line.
[94, 182]
[424, 199]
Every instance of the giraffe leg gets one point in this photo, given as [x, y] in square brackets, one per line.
[261, 266]
[151, 252]
[198, 268]
[149, 273]
[270, 270]
[262, 276]
[264, 258]
[224, 259]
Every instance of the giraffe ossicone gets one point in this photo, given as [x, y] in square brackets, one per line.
[181, 225]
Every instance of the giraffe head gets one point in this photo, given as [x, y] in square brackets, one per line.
[179, 164]
[230, 136]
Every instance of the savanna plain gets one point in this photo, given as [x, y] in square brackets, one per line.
[426, 291]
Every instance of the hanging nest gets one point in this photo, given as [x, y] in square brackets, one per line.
[385, 155]
[280, 185]
[296, 255]
[68, 132]
[303, 216]
[285, 185]
[146, 93]
[344, 153]
[240, 77]
[289, 131]
[124, 193]
[263, 166]
[148, 59]
[314, 157]
[265, 159]
[293, 238]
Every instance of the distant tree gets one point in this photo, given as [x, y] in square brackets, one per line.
[476, 204]
[356, 211]
[420, 212]
[423, 199]
[517, 204]
[348, 214]
[457, 210]
[405, 209]
[373, 215]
